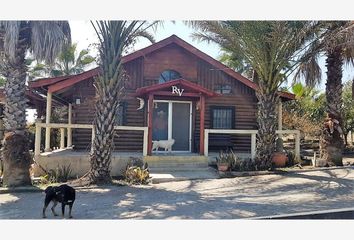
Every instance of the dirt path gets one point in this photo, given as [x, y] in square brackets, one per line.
[201, 199]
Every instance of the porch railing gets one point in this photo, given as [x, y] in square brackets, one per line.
[253, 134]
[69, 127]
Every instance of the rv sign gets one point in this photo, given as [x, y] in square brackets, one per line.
[176, 90]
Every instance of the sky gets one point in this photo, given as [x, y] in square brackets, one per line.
[84, 35]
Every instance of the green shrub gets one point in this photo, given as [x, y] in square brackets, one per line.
[228, 157]
[60, 174]
[291, 158]
[244, 165]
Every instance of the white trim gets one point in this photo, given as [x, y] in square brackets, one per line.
[170, 117]
[253, 138]
[190, 125]
[176, 101]
[47, 121]
[39, 126]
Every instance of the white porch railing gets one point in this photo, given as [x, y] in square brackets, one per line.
[253, 138]
[69, 127]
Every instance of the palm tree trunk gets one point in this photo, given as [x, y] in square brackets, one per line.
[267, 125]
[103, 144]
[332, 142]
[16, 157]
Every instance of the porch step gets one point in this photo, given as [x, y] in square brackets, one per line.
[176, 163]
[173, 167]
[172, 176]
[176, 158]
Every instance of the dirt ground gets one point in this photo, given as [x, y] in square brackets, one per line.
[228, 198]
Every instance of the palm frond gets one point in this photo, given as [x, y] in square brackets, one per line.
[48, 39]
[11, 36]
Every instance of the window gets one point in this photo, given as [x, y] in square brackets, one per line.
[169, 75]
[223, 88]
[222, 117]
[121, 111]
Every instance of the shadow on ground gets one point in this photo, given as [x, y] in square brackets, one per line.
[242, 197]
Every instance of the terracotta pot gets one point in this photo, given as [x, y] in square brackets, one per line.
[223, 167]
[279, 159]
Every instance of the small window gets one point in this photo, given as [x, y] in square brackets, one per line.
[223, 88]
[222, 117]
[169, 75]
[121, 111]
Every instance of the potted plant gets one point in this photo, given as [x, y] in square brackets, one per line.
[225, 160]
[279, 157]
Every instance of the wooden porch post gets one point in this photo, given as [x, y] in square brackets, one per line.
[280, 117]
[69, 140]
[297, 145]
[253, 145]
[202, 127]
[150, 111]
[47, 121]
[37, 141]
[93, 135]
[62, 140]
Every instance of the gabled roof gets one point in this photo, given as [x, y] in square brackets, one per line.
[46, 81]
[58, 83]
[191, 49]
[33, 97]
[72, 80]
[63, 82]
[192, 87]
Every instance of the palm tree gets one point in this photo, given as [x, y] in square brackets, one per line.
[44, 41]
[69, 62]
[115, 38]
[273, 50]
[335, 41]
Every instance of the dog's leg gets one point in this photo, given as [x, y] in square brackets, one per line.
[44, 208]
[62, 209]
[54, 204]
[46, 203]
[70, 207]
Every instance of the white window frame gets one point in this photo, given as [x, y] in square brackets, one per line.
[170, 117]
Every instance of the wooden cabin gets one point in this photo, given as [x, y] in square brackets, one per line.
[175, 91]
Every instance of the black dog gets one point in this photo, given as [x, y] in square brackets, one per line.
[63, 194]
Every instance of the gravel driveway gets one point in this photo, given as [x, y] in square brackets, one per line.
[227, 198]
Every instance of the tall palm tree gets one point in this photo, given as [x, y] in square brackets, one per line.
[69, 62]
[336, 42]
[115, 38]
[272, 49]
[44, 40]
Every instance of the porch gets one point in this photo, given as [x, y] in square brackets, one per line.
[79, 161]
[157, 161]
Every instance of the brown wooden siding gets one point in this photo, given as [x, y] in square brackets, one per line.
[245, 118]
[145, 71]
[134, 70]
[84, 114]
[209, 77]
[171, 57]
